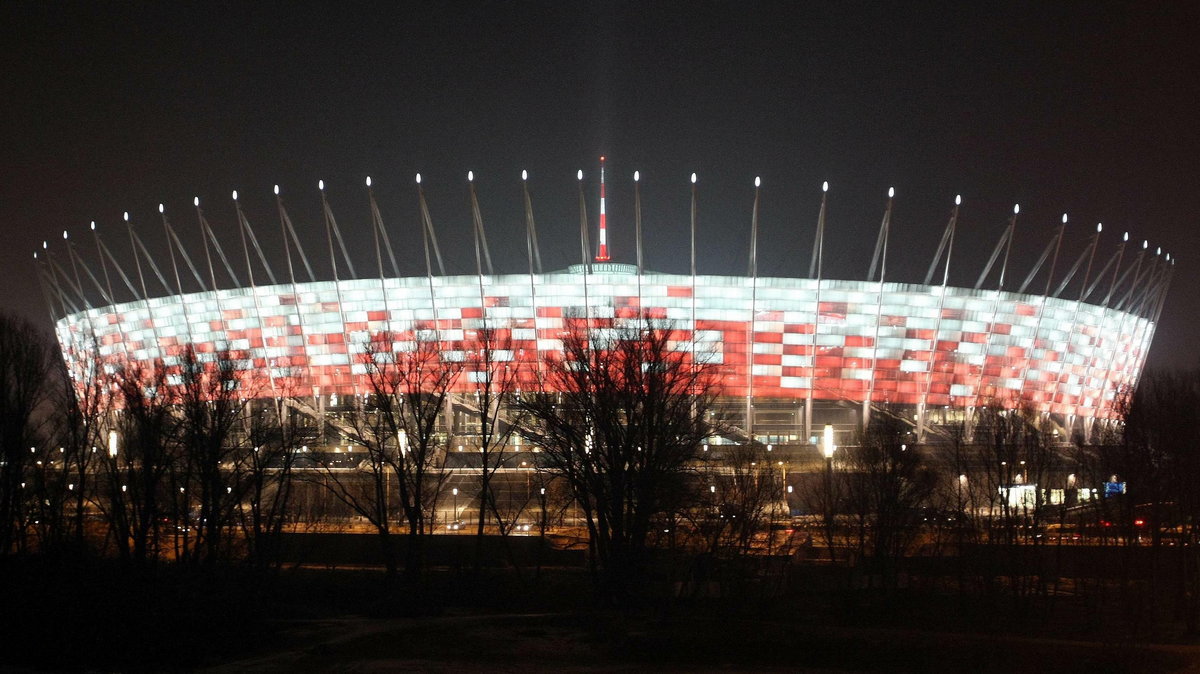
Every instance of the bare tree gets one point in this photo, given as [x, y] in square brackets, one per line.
[25, 358]
[738, 499]
[80, 405]
[492, 373]
[211, 400]
[364, 487]
[139, 459]
[825, 495]
[397, 426]
[1017, 457]
[888, 483]
[962, 495]
[410, 390]
[1156, 461]
[629, 415]
[264, 481]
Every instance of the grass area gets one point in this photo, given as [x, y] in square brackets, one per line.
[96, 615]
[623, 642]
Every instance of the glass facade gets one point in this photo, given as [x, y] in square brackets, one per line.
[781, 338]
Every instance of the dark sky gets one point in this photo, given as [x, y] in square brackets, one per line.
[1089, 108]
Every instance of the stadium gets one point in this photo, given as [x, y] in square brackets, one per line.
[792, 354]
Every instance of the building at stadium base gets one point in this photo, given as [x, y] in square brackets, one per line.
[791, 354]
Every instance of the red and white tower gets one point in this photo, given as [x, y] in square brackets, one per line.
[602, 255]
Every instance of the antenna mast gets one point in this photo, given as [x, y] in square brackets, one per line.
[602, 256]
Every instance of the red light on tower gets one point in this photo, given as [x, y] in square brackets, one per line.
[602, 255]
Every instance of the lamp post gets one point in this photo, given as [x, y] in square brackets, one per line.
[828, 448]
[454, 492]
[783, 492]
[542, 498]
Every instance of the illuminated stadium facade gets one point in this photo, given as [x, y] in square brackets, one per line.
[790, 353]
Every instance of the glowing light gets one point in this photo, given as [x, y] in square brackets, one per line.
[693, 178]
[1125, 237]
[368, 181]
[1145, 244]
[891, 192]
[524, 175]
[321, 185]
[825, 186]
[1099, 227]
[161, 209]
[44, 245]
[470, 176]
[827, 446]
[1158, 251]
[1016, 208]
[637, 176]
[126, 216]
[1064, 220]
[418, 178]
[93, 225]
[958, 200]
[757, 181]
[195, 201]
[64, 235]
[235, 195]
[112, 443]
[579, 175]
[277, 190]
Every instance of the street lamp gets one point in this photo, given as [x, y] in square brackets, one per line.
[454, 491]
[542, 498]
[828, 448]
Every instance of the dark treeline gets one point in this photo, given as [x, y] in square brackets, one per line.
[191, 467]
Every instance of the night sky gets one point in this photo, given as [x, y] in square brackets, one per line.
[1088, 108]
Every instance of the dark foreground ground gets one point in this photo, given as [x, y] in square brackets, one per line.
[592, 643]
[95, 616]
